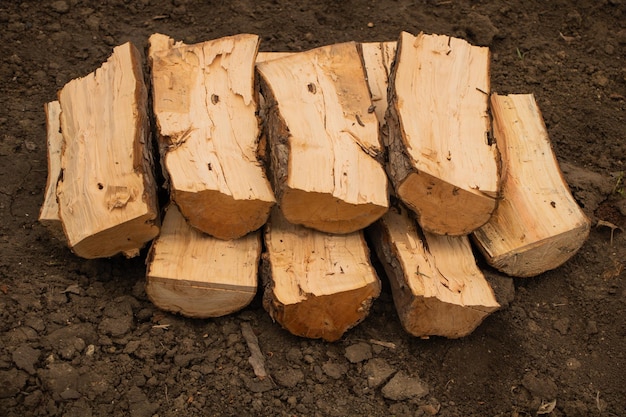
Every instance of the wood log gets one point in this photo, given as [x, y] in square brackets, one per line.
[107, 191]
[440, 160]
[197, 275]
[436, 286]
[537, 225]
[316, 284]
[378, 58]
[49, 213]
[323, 139]
[205, 106]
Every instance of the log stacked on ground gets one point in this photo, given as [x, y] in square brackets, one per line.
[378, 58]
[437, 287]
[440, 160]
[538, 225]
[197, 275]
[205, 106]
[107, 192]
[317, 285]
[323, 139]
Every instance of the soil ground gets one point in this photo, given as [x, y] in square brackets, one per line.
[79, 338]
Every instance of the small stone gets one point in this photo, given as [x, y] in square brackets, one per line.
[592, 327]
[25, 357]
[334, 370]
[561, 325]
[370, 24]
[377, 371]
[294, 355]
[573, 364]
[609, 49]
[60, 6]
[540, 386]
[289, 378]
[403, 387]
[599, 80]
[358, 352]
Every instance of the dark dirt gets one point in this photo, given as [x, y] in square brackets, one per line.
[79, 338]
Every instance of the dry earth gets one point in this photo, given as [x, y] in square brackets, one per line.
[79, 338]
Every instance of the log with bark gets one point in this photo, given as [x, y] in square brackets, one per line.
[538, 225]
[107, 191]
[49, 213]
[441, 161]
[436, 286]
[205, 105]
[323, 139]
[197, 275]
[316, 284]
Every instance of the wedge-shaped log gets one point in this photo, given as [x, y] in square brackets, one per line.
[537, 225]
[378, 58]
[436, 286]
[317, 285]
[440, 160]
[205, 106]
[323, 138]
[49, 213]
[197, 275]
[107, 191]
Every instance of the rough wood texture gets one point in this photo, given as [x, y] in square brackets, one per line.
[205, 105]
[323, 139]
[537, 225]
[49, 213]
[378, 58]
[437, 287]
[107, 193]
[317, 285]
[440, 160]
[197, 275]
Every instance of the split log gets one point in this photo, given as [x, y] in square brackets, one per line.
[317, 285]
[205, 105]
[436, 286]
[197, 275]
[49, 213]
[107, 191]
[323, 139]
[537, 225]
[440, 160]
[378, 58]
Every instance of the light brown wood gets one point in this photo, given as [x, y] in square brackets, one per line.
[323, 138]
[537, 225]
[377, 59]
[197, 275]
[440, 160]
[49, 213]
[317, 285]
[437, 287]
[107, 191]
[205, 106]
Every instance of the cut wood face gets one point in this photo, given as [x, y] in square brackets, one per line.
[324, 139]
[440, 123]
[197, 275]
[316, 284]
[538, 225]
[205, 106]
[377, 58]
[107, 194]
[436, 285]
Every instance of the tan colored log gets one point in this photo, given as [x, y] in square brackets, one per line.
[317, 285]
[205, 105]
[537, 225]
[197, 275]
[49, 213]
[440, 160]
[107, 193]
[436, 286]
[378, 58]
[323, 139]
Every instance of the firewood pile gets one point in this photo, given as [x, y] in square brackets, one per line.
[284, 166]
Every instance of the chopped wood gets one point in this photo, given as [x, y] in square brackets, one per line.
[378, 58]
[317, 285]
[205, 106]
[537, 225]
[107, 191]
[440, 160]
[325, 151]
[197, 275]
[49, 213]
[436, 286]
